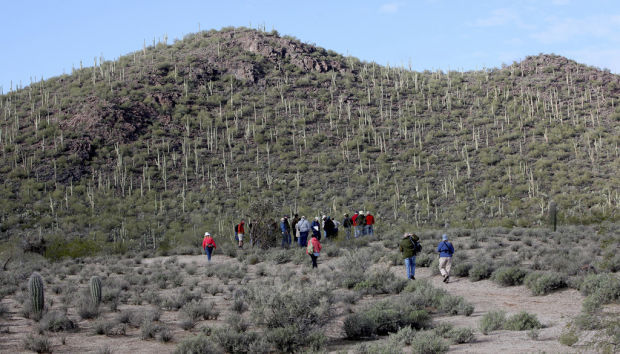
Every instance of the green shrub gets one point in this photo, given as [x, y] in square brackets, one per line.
[461, 269]
[586, 321]
[492, 321]
[461, 335]
[358, 326]
[522, 321]
[544, 283]
[428, 343]
[606, 286]
[381, 282]
[568, 337]
[38, 344]
[508, 276]
[199, 344]
[480, 271]
[55, 321]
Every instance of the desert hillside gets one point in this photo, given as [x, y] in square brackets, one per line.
[143, 151]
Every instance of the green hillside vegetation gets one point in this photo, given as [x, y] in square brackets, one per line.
[149, 150]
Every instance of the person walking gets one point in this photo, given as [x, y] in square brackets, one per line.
[314, 250]
[294, 226]
[361, 224]
[303, 226]
[354, 223]
[446, 250]
[329, 227]
[208, 245]
[410, 247]
[370, 221]
[347, 223]
[241, 232]
[286, 232]
[316, 227]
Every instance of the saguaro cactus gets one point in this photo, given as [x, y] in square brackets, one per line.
[95, 290]
[35, 287]
[553, 215]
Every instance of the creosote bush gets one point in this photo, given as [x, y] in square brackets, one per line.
[544, 283]
[508, 276]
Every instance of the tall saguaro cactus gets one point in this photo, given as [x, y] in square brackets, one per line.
[35, 288]
[95, 290]
[553, 215]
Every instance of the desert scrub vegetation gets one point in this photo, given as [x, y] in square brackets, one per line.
[495, 320]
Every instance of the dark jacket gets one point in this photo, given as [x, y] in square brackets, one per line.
[347, 222]
[407, 247]
[329, 227]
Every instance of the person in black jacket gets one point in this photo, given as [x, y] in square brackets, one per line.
[347, 223]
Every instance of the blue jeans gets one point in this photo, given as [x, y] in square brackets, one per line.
[286, 239]
[209, 250]
[368, 230]
[359, 229]
[303, 239]
[410, 266]
[347, 230]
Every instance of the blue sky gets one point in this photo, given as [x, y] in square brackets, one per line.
[46, 38]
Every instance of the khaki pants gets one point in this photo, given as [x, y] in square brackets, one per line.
[445, 263]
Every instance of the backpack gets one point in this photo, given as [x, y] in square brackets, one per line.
[236, 228]
[310, 248]
[361, 220]
[417, 247]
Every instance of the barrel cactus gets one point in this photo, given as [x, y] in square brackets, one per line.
[95, 290]
[35, 287]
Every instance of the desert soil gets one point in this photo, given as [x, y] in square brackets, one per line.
[554, 311]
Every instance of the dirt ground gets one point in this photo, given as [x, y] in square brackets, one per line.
[554, 311]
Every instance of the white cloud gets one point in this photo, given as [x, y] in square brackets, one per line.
[389, 8]
[566, 29]
[602, 58]
[502, 17]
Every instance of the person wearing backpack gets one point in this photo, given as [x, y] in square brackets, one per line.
[360, 221]
[316, 227]
[208, 245]
[303, 227]
[347, 223]
[410, 247]
[446, 250]
[241, 232]
[314, 250]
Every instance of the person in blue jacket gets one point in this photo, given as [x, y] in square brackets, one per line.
[286, 232]
[446, 250]
[316, 228]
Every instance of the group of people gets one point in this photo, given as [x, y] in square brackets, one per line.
[299, 229]
[410, 247]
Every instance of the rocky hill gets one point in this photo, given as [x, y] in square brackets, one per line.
[147, 150]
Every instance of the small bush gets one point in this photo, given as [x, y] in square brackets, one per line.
[38, 344]
[404, 336]
[492, 321]
[358, 326]
[55, 321]
[165, 335]
[480, 271]
[461, 335]
[568, 337]
[522, 321]
[428, 343]
[199, 344]
[86, 309]
[544, 283]
[509, 276]
[199, 309]
[461, 269]
[606, 286]
[149, 330]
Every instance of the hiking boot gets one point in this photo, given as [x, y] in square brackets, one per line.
[412, 278]
[446, 279]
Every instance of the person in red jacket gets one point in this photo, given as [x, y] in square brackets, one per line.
[241, 232]
[370, 221]
[208, 245]
[314, 250]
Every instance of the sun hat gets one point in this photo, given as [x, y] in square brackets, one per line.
[207, 234]
[444, 237]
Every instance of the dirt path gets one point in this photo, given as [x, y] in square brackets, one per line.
[554, 311]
